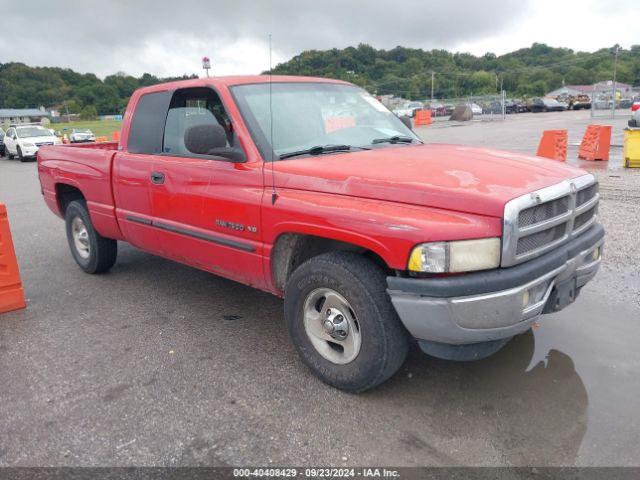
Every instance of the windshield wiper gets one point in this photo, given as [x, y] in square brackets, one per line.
[319, 150]
[394, 139]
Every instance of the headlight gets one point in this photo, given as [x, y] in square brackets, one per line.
[460, 256]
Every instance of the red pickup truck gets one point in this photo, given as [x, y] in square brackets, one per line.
[312, 190]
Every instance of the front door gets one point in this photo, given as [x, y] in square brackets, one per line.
[9, 141]
[206, 208]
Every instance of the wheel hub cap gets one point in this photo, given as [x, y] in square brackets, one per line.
[336, 325]
[80, 237]
[332, 326]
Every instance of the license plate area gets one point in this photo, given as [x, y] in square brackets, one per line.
[563, 294]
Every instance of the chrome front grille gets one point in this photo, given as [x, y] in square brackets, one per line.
[540, 221]
[538, 213]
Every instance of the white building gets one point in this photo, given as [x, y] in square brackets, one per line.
[22, 115]
[606, 87]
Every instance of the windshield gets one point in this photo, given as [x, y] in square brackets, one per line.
[26, 132]
[307, 115]
[414, 105]
[82, 130]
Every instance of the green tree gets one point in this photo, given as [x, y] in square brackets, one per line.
[88, 113]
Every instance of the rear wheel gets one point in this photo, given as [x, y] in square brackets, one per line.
[342, 322]
[91, 251]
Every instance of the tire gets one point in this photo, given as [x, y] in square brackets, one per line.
[91, 251]
[20, 156]
[384, 342]
[9, 154]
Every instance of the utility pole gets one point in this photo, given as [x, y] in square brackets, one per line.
[67, 109]
[432, 80]
[613, 97]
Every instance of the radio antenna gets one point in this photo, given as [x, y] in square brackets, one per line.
[274, 195]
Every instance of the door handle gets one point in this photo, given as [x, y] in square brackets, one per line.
[157, 178]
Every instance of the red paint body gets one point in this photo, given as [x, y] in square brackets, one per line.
[386, 200]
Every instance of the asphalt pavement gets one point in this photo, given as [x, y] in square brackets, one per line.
[156, 363]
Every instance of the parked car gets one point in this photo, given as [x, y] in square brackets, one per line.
[475, 108]
[24, 141]
[492, 108]
[624, 103]
[635, 106]
[603, 102]
[546, 105]
[510, 107]
[361, 229]
[80, 135]
[438, 109]
[521, 106]
[1, 142]
[409, 109]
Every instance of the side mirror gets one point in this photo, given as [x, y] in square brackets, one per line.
[407, 122]
[211, 139]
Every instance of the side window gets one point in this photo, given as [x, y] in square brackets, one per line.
[193, 107]
[147, 125]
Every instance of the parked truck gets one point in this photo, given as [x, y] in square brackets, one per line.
[310, 189]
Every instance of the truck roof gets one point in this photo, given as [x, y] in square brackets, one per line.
[236, 80]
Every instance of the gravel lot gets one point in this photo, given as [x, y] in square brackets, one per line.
[147, 365]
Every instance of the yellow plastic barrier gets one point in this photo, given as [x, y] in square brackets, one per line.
[632, 148]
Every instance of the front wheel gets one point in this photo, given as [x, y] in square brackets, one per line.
[342, 322]
[20, 156]
[91, 251]
[9, 154]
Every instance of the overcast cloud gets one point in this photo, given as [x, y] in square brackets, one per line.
[169, 37]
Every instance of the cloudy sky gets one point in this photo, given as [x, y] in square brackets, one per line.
[170, 37]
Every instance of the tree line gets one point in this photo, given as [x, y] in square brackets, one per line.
[22, 86]
[407, 72]
[401, 71]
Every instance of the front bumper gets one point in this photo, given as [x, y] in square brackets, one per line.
[485, 306]
[29, 152]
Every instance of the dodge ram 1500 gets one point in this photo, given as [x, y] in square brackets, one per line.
[312, 190]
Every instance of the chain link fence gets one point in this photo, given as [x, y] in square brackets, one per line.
[480, 107]
[613, 103]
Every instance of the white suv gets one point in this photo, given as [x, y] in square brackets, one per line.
[24, 141]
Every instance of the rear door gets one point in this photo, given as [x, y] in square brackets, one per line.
[133, 173]
[206, 208]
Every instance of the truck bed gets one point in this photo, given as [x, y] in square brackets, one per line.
[86, 167]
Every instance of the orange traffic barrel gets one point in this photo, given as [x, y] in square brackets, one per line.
[11, 291]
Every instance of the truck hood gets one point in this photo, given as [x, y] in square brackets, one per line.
[451, 177]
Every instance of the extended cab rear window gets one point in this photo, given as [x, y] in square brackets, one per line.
[147, 125]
